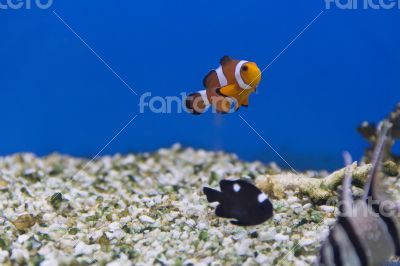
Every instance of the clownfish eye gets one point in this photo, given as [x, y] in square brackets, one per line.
[245, 68]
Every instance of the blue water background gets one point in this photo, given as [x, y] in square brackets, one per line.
[57, 96]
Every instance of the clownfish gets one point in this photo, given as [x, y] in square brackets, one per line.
[367, 231]
[241, 201]
[233, 81]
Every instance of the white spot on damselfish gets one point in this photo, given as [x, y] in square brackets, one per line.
[262, 197]
[236, 187]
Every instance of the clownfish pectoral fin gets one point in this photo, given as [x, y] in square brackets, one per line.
[228, 91]
[225, 59]
[220, 93]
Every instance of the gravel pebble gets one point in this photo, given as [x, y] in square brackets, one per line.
[281, 238]
[327, 208]
[146, 219]
[145, 209]
[242, 248]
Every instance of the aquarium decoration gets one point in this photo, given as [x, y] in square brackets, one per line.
[230, 85]
[242, 201]
[319, 190]
[370, 130]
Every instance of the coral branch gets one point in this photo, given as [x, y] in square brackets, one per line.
[319, 190]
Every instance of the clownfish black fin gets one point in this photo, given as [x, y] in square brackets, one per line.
[225, 59]
[220, 93]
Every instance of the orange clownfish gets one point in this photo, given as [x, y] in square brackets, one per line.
[233, 81]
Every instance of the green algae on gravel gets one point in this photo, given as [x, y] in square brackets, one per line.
[142, 209]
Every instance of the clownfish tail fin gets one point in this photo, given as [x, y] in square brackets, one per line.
[197, 103]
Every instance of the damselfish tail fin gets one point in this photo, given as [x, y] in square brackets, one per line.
[197, 103]
[212, 194]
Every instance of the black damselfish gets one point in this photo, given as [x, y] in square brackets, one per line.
[242, 201]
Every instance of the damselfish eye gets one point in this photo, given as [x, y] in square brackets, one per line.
[245, 68]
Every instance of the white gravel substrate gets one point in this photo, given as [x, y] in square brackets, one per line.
[144, 209]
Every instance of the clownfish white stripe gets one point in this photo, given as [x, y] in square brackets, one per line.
[221, 77]
[203, 94]
[238, 77]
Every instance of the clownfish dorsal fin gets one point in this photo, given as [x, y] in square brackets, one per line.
[225, 59]
[347, 193]
[372, 181]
